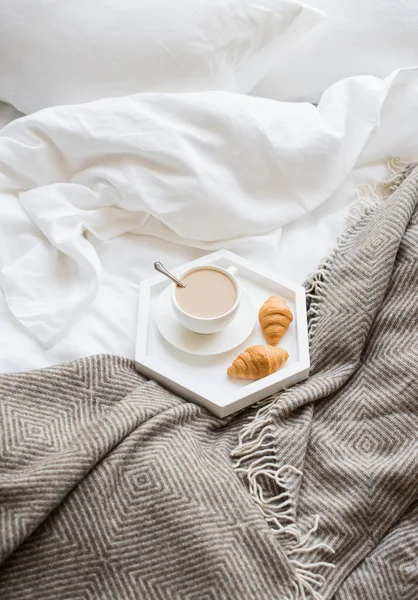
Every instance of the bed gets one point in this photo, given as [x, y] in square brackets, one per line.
[39, 70]
[115, 154]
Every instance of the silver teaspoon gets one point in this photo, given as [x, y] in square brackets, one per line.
[161, 268]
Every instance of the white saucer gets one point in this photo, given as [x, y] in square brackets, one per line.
[204, 345]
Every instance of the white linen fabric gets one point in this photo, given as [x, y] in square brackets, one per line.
[108, 324]
[57, 52]
[108, 187]
[359, 37]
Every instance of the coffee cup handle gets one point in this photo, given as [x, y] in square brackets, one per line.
[232, 270]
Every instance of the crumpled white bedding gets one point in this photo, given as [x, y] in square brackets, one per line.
[92, 194]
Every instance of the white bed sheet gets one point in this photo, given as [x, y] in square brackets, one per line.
[109, 323]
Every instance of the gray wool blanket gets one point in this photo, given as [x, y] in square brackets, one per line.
[113, 488]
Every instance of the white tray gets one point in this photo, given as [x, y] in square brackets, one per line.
[203, 379]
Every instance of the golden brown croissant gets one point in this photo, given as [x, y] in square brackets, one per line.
[275, 317]
[257, 362]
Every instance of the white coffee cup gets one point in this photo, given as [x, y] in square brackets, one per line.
[207, 325]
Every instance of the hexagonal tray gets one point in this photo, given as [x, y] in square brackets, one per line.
[203, 379]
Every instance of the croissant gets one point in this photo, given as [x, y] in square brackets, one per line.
[257, 362]
[275, 317]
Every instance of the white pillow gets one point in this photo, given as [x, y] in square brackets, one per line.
[58, 52]
[360, 37]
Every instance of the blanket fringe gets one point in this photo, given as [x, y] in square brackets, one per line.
[256, 460]
[255, 454]
[368, 197]
[372, 193]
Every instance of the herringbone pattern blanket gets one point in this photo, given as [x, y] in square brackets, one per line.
[113, 488]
